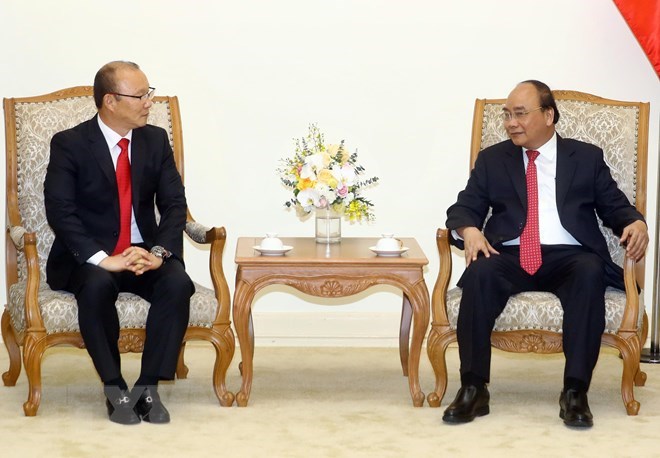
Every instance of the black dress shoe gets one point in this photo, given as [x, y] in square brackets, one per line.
[574, 408]
[150, 407]
[120, 406]
[470, 402]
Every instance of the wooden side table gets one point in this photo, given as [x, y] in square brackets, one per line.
[335, 270]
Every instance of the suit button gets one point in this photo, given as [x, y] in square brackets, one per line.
[115, 234]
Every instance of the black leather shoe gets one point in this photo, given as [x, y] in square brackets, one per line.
[120, 406]
[574, 408]
[150, 408]
[470, 402]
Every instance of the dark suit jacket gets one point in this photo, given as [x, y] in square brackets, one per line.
[584, 187]
[82, 204]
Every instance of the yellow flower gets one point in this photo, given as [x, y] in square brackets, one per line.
[305, 183]
[327, 158]
[357, 210]
[325, 176]
[332, 150]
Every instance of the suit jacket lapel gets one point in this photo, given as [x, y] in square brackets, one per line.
[100, 152]
[566, 166]
[515, 166]
[139, 154]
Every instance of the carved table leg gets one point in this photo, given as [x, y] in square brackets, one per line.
[404, 333]
[419, 300]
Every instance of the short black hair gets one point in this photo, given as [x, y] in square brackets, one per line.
[545, 96]
[105, 82]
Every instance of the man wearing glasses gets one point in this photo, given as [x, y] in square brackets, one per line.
[103, 179]
[544, 192]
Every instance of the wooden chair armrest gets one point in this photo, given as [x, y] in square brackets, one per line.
[439, 297]
[217, 237]
[33, 318]
[629, 322]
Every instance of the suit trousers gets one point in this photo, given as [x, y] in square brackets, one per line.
[168, 289]
[573, 273]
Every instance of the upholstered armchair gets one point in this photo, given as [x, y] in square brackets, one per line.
[35, 317]
[532, 321]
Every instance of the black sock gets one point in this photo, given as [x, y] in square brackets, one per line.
[118, 382]
[147, 381]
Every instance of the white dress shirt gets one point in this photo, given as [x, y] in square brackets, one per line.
[112, 138]
[550, 228]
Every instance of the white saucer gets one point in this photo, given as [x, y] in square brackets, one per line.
[273, 252]
[391, 253]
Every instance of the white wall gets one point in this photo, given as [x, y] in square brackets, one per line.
[395, 79]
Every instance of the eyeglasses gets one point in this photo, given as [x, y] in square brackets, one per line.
[517, 115]
[149, 95]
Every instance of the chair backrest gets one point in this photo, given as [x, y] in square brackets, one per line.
[30, 123]
[619, 128]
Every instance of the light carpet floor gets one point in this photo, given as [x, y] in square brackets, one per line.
[328, 402]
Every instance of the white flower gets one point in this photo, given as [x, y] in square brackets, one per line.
[337, 173]
[307, 171]
[349, 198]
[309, 198]
[348, 174]
[315, 161]
[324, 190]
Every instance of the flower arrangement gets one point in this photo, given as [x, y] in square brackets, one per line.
[325, 177]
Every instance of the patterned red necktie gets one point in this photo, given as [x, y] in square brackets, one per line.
[530, 241]
[125, 201]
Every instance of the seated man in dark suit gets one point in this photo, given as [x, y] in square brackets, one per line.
[102, 181]
[543, 235]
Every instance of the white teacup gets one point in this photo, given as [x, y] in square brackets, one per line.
[271, 242]
[388, 243]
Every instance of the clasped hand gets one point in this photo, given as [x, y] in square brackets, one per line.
[135, 259]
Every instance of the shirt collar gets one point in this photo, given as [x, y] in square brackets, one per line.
[547, 150]
[112, 137]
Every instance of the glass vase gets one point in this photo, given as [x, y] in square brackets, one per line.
[328, 226]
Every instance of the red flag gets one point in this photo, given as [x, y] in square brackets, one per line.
[643, 17]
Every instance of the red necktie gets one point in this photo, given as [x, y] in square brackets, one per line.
[125, 201]
[530, 241]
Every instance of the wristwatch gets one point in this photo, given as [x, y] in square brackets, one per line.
[160, 252]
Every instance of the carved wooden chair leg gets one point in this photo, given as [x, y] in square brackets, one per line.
[640, 377]
[437, 347]
[33, 351]
[404, 334]
[181, 368]
[9, 338]
[224, 345]
[630, 353]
